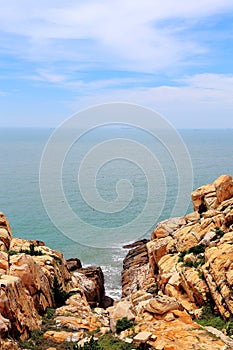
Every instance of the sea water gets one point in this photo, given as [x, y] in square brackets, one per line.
[211, 153]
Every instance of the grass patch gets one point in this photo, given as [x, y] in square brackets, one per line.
[109, 342]
[123, 324]
[210, 318]
[220, 233]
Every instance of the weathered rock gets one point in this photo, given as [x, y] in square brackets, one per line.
[5, 224]
[73, 264]
[94, 290]
[224, 187]
[4, 326]
[9, 344]
[63, 336]
[199, 198]
[5, 239]
[142, 337]
[4, 264]
[161, 304]
[33, 279]
[136, 270]
[156, 249]
[5, 233]
[118, 311]
[167, 227]
[18, 307]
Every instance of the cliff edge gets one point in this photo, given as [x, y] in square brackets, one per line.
[176, 287]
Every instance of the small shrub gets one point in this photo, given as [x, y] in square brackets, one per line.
[197, 249]
[123, 324]
[12, 252]
[229, 327]
[220, 233]
[201, 275]
[59, 295]
[31, 251]
[182, 255]
[49, 313]
[109, 342]
[188, 263]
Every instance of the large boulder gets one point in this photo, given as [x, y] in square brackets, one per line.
[18, 307]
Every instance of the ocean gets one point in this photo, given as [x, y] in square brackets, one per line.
[122, 184]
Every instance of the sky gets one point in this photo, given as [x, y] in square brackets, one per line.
[59, 57]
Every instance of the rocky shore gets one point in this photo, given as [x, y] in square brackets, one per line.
[177, 288]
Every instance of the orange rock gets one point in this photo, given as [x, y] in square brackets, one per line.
[62, 336]
[17, 306]
[224, 187]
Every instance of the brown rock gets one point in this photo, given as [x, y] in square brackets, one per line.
[167, 227]
[161, 304]
[73, 264]
[62, 336]
[224, 187]
[5, 239]
[156, 249]
[136, 270]
[93, 285]
[33, 279]
[5, 224]
[9, 344]
[4, 265]
[4, 325]
[199, 195]
[17, 306]
[118, 311]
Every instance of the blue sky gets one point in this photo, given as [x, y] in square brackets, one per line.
[58, 57]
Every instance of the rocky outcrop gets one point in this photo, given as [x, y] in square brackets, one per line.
[166, 283]
[191, 256]
[136, 270]
[210, 196]
[28, 270]
[190, 260]
[161, 322]
[18, 313]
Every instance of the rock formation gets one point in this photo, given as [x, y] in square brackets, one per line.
[168, 283]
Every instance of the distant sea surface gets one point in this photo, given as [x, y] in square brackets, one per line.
[211, 152]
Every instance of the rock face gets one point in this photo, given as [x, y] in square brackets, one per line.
[189, 259]
[166, 282]
[27, 273]
[136, 269]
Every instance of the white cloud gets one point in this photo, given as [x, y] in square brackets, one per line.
[204, 100]
[132, 35]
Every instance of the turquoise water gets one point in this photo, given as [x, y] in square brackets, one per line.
[211, 153]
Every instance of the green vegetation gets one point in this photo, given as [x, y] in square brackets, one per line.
[59, 295]
[188, 263]
[201, 274]
[123, 324]
[30, 251]
[109, 342]
[182, 255]
[197, 249]
[49, 314]
[219, 232]
[210, 318]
